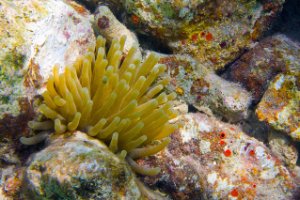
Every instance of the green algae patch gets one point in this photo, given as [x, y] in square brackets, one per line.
[11, 78]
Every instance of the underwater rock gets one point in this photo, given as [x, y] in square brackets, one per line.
[79, 167]
[256, 68]
[209, 159]
[255, 128]
[34, 35]
[11, 179]
[201, 87]
[280, 105]
[111, 28]
[226, 98]
[213, 32]
[283, 148]
[8, 153]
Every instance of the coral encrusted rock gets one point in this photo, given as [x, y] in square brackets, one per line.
[214, 32]
[280, 105]
[79, 167]
[282, 146]
[210, 159]
[201, 87]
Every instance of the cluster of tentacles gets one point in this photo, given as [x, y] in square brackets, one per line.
[117, 99]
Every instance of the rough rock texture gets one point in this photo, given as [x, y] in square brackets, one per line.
[79, 167]
[209, 159]
[34, 35]
[214, 32]
[201, 87]
[11, 182]
[226, 98]
[283, 148]
[280, 105]
[8, 152]
[256, 68]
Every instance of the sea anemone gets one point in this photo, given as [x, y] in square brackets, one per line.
[117, 99]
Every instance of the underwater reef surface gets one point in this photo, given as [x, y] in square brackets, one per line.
[215, 160]
[233, 64]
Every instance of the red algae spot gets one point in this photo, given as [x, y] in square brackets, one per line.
[252, 152]
[222, 135]
[232, 128]
[254, 185]
[135, 19]
[209, 37]
[227, 153]
[103, 22]
[222, 142]
[234, 193]
[202, 34]
[194, 37]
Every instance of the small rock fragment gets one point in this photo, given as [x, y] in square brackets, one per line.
[12, 186]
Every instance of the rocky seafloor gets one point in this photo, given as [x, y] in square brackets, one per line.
[234, 64]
